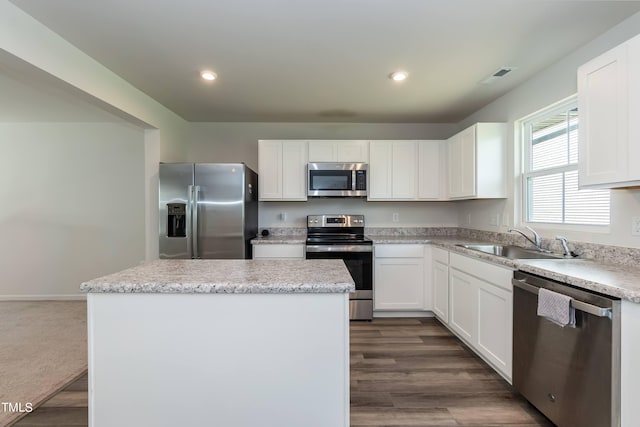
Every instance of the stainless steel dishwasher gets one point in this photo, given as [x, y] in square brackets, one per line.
[571, 374]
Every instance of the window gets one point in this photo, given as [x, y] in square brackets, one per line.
[551, 170]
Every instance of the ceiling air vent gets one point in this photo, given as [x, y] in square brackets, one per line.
[501, 72]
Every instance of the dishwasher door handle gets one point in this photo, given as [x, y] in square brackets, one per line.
[578, 305]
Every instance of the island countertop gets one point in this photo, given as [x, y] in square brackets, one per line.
[227, 277]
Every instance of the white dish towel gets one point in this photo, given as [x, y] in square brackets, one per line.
[556, 308]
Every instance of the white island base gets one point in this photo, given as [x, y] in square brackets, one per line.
[228, 360]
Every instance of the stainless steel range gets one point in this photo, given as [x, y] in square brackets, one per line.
[342, 237]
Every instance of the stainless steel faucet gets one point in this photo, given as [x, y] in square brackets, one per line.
[536, 241]
[567, 251]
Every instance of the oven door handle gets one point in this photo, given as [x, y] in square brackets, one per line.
[339, 248]
[578, 305]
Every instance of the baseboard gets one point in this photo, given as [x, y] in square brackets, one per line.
[70, 297]
[402, 314]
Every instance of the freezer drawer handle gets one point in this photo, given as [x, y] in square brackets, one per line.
[578, 305]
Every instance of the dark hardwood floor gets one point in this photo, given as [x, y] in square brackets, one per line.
[414, 372]
[404, 372]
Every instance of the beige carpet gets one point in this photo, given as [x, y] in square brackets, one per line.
[43, 347]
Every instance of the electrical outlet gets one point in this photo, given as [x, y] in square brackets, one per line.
[283, 216]
[395, 217]
[635, 225]
[468, 219]
[494, 219]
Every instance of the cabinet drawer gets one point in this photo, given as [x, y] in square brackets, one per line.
[440, 255]
[399, 251]
[492, 273]
[278, 251]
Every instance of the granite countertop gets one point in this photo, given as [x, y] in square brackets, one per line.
[227, 277]
[620, 281]
[616, 280]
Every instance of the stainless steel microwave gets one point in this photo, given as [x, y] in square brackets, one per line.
[337, 179]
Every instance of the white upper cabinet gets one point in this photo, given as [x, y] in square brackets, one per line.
[282, 167]
[380, 171]
[432, 170]
[355, 151]
[405, 170]
[477, 162]
[608, 105]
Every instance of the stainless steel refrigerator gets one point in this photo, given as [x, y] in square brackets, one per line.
[207, 210]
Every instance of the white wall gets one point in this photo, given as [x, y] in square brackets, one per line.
[28, 40]
[73, 205]
[238, 142]
[377, 214]
[551, 85]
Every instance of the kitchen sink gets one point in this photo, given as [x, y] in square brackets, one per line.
[511, 252]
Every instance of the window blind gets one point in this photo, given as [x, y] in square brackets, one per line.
[551, 173]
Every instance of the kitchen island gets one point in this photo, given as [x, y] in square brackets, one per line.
[220, 343]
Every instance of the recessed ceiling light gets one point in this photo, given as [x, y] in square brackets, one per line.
[208, 75]
[399, 76]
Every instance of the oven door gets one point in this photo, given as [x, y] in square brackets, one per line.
[360, 267]
[359, 264]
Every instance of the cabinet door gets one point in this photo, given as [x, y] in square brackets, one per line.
[431, 172]
[277, 251]
[398, 284]
[603, 106]
[440, 273]
[468, 162]
[494, 323]
[427, 280]
[454, 156]
[404, 170]
[294, 170]
[379, 172]
[462, 305]
[322, 151]
[270, 170]
[353, 151]
[462, 164]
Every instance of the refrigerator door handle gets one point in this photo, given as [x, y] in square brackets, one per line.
[189, 221]
[194, 225]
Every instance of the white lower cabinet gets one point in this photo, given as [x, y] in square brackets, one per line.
[495, 325]
[462, 304]
[440, 284]
[480, 306]
[278, 251]
[398, 277]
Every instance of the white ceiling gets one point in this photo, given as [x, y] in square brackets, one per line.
[326, 61]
